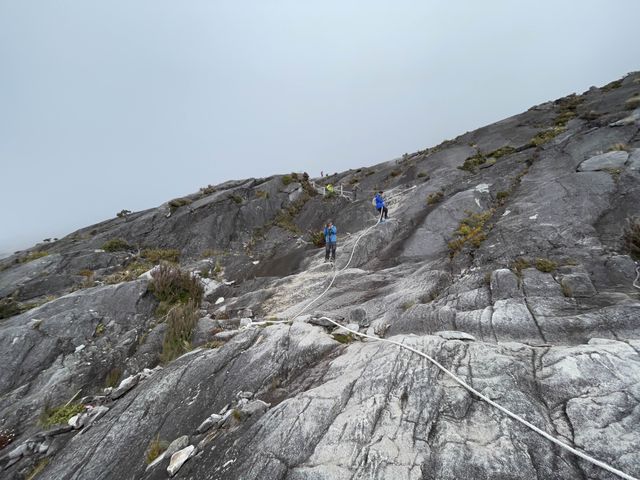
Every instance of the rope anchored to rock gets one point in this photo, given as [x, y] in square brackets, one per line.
[453, 376]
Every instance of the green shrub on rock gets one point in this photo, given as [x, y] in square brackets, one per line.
[116, 245]
[60, 415]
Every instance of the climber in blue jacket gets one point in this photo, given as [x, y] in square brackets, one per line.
[381, 205]
[330, 241]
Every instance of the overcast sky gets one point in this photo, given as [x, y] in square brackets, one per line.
[106, 105]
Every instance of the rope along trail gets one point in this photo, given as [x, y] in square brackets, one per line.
[453, 376]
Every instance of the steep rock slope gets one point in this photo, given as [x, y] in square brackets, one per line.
[503, 259]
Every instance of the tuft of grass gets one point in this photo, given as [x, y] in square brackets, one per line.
[213, 344]
[344, 338]
[502, 195]
[60, 415]
[423, 175]
[566, 290]
[434, 198]
[131, 272]
[546, 265]
[470, 231]
[369, 173]
[395, 173]
[237, 199]
[262, 194]
[32, 256]
[547, 135]
[472, 163]
[113, 377]
[176, 203]
[37, 469]
[208, 190]
[612, 85]
[619, 147]
[156, 255]
[155, 449]
[181, 319]
[116, 245]
[237, 414]
[632, 102]
[99, 329]
[501, 152]
[631, 237]
[407, 305]
[123, 213]
[520, 264]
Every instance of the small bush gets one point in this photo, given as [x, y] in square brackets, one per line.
[60, 415]
[116, 245]
[566, 290]
[546, 265]
[287, 179]
[470, 230]
[423, 175]
[370, 172]
[434, 198]
[156, 255]
[9, 307]
[236, 199]
[343, 337]
[563, 118]
[123, 213]
[155, 449]
[32, 256]
[632, 103]
[171, 285]
[473, 162]
[181, 320]
[86, 273]
[208, 190]
[590, 115]
[317, 238]
[131, 272]
[502, 196]
[631, 237]
[395, 173]
[176, 203]
[113, 377]
[99, 329]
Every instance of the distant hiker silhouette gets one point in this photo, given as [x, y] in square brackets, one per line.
[330, 241]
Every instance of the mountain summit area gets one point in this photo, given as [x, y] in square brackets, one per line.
[208, 339]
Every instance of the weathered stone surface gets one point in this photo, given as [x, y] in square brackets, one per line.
[504, 284]
[178, 459]
[455, 335]
[634, 160]
[124, 386]
[577, 285]
[615, 159]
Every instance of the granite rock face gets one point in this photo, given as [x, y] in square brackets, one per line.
[503, 259]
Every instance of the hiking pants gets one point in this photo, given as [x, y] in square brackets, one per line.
[330, 248]
[384, 212]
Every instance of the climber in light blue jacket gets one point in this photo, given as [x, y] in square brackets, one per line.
[330, 241]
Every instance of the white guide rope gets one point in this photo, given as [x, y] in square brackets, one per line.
[635, 282]
[447, 372]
